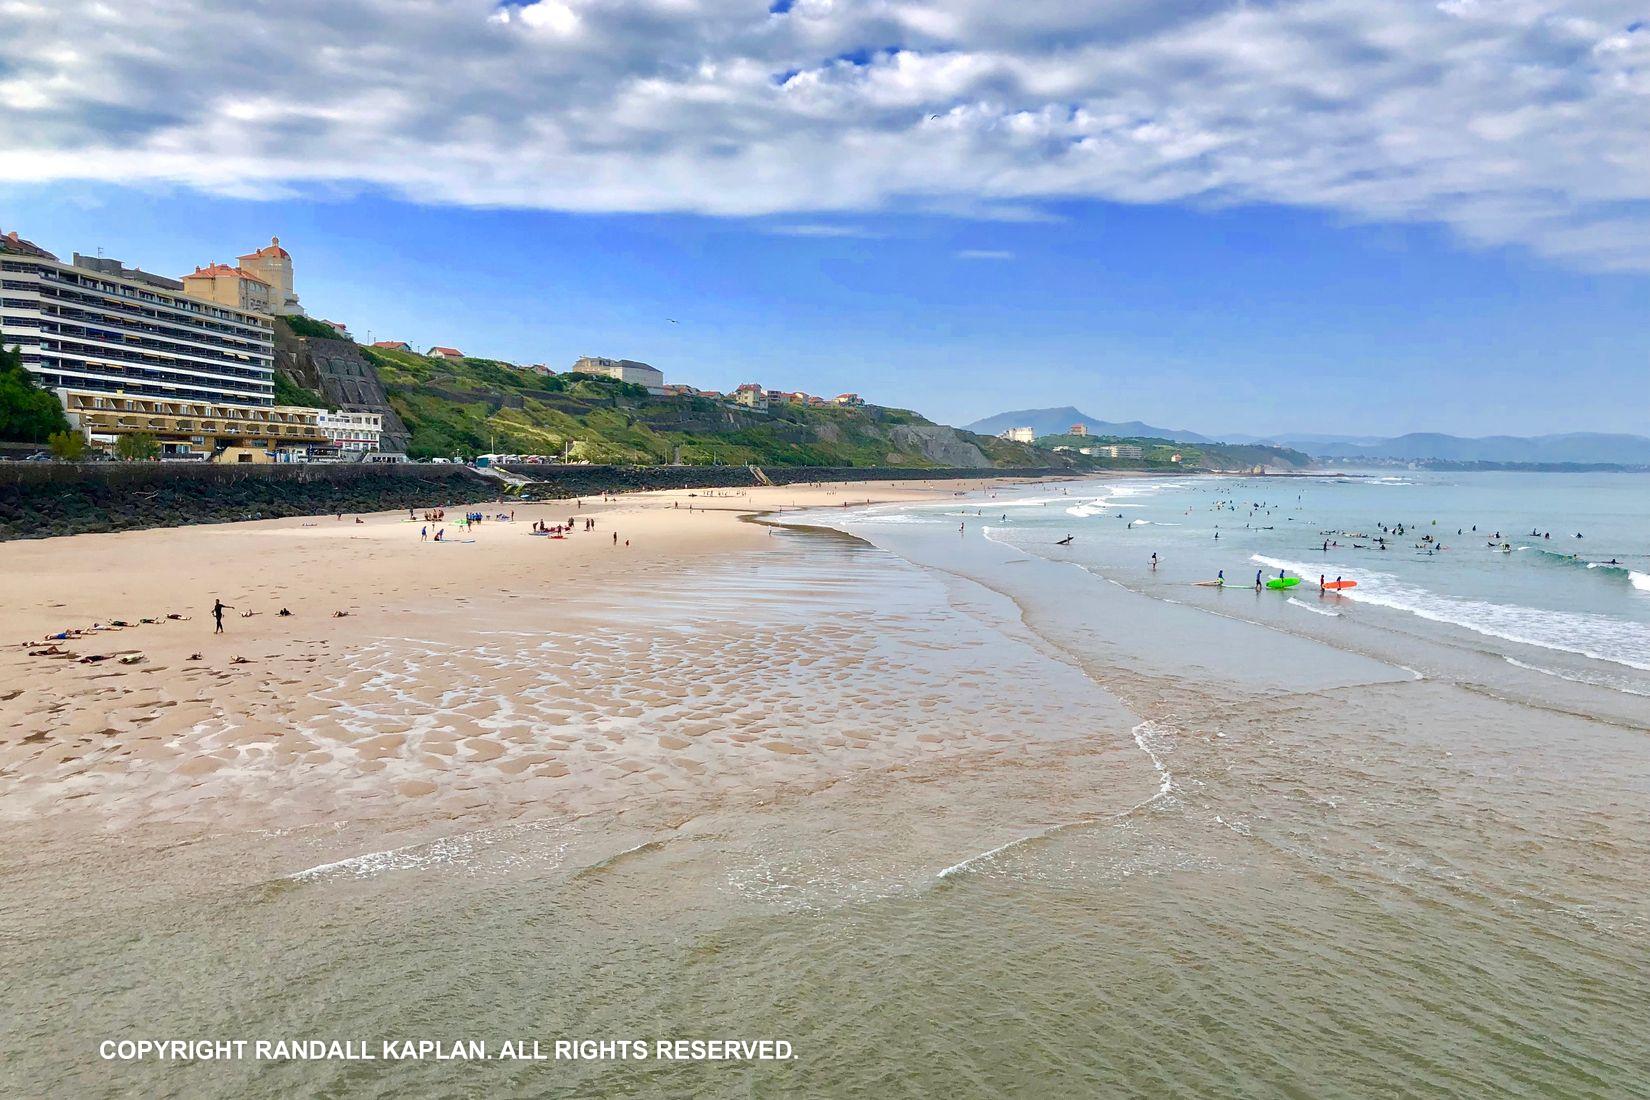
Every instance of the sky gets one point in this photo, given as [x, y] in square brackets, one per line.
[1322, 216]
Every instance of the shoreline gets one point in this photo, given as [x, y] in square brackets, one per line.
[51, 500]
[178, 711]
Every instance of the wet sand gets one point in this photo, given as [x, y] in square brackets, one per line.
[426, 695]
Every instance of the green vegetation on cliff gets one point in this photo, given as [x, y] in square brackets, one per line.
[308, 326]
[475, 406]
[288, 392]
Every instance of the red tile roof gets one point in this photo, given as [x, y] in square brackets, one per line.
[452, 352]
[221, 271]
[272, 250]
[391, 344]
[11, 242]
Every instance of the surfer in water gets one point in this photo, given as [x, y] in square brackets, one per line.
[1065, 541]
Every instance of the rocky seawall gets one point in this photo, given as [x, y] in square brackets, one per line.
[41, 500]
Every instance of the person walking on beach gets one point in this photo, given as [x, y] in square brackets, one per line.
[218, 608]
[1154, 561]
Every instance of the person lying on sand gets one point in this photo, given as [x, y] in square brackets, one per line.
[340, 614]
[194, 656]
[240, 661]
[248, 614]
[149, 622]
[120, 624]
[284, 613]
[64, 635]
[94, 658]
[179, 618]
[133, 659]
[50, 651]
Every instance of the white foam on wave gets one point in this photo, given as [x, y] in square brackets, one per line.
[1601, 637]
[1314, 610]
[1149, 737]
[461, 850]
[1557, 675]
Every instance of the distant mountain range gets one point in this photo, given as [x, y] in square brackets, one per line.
[1626, 450]
[1580, 447]
[1059, 421]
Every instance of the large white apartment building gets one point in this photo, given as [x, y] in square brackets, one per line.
[625, 370]
[113, 330]
[352, 431]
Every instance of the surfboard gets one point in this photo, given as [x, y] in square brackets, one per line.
[1335, 586]
[1282, 582]
[1210, 584]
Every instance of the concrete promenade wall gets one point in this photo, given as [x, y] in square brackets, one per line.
[41, 499]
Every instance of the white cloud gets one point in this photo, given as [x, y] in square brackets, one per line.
[1514, 121]
[822, 229]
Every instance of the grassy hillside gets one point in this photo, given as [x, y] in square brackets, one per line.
[475, 406]
[1159, 454]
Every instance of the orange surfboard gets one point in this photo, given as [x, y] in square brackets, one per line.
[1336, 586]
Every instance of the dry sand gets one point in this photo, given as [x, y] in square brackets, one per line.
[281, 720]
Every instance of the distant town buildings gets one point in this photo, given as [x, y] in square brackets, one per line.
[1078, 429]
[393, 345]
[439, 352]
[340, 328]
[850, 400]
[1115, 450]
[752, 396]
[1020, 435]
[625, 370]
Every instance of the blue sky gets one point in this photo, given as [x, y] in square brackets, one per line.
[1354, 216]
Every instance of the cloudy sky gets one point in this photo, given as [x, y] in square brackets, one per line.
[1317, 216]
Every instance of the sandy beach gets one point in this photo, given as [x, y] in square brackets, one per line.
[263, 724]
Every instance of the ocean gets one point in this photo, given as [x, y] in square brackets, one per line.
[1045, 822]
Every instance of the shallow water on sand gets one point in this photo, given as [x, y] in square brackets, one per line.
[1357, 883]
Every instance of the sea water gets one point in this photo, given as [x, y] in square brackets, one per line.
[1113, 833]
[1485, 561]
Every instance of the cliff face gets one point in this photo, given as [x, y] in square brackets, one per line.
[338, 371]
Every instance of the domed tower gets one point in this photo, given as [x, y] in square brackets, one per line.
[273, 264]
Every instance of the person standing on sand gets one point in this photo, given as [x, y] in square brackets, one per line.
[218, 608]
[615, 538]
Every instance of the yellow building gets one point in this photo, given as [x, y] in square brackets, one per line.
[198, 429]
[229, 286]
[273, 264]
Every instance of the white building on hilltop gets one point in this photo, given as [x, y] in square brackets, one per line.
[1020, 435]
[625, 370]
